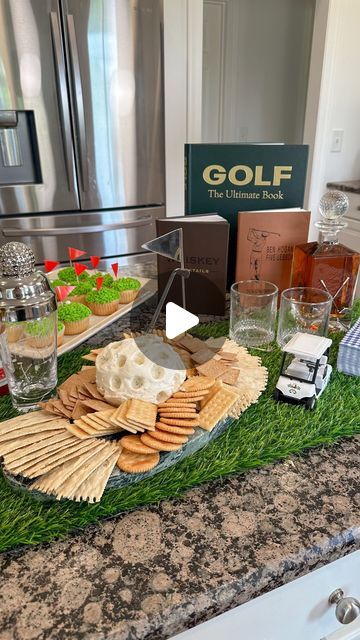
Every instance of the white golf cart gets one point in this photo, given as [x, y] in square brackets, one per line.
[305, 371]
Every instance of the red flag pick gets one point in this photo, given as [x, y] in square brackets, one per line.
[99, 282]
[115, 268]
[50, 265]
[95, 261]
[63, 291]
[74, 254]
[79, 268]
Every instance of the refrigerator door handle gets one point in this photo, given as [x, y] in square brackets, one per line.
[62, 97]
[79, 102]
[141, 222]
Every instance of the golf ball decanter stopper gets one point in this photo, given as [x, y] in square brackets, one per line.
[328, 264]
[28, 327]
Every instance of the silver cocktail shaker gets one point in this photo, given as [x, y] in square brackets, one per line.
[28, 327]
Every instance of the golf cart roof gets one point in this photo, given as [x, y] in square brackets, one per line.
[306, 345]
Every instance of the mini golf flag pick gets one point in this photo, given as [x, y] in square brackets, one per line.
[115, 268]
[95, 261]
[63, 291]
[99, 282]
[74, 254]
[50, 265]
[79, 268]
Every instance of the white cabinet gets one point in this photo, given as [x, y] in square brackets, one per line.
[297, 611]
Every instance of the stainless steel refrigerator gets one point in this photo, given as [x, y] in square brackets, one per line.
[81, 125]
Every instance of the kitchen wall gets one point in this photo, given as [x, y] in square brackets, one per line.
[255, 69]
[339, 105]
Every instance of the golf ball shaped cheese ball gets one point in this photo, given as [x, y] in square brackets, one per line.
[146, 368]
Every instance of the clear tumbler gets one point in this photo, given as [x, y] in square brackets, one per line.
[253, 305]
[304, 310]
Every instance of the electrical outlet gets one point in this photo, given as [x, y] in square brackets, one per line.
[337, 139]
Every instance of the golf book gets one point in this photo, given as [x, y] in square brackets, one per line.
[265, 244]
[228, 178]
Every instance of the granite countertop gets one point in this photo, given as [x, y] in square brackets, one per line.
[155, 571]
[352, 186]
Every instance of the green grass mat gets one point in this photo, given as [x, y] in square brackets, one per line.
[266, 432]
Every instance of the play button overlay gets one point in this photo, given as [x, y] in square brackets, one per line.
[178, 320]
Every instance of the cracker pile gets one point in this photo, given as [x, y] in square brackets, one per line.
[78, 396]
[63, 449]
[38, 446]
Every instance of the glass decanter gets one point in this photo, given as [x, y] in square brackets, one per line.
[328, 264]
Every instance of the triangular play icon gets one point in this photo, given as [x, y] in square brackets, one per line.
[178, 320]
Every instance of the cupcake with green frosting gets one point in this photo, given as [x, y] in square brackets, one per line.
[107, 279]
[68, 275]
[41, 332]
[56, 283]
[75, 316]
[127, 289]
[60, 333]
[102, 302]
[79, 293]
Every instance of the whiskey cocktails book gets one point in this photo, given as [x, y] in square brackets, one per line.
[205, 240]
[265, 244]
[228, 178]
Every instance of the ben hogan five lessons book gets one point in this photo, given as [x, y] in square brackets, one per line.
[228, 178]
[265, 244]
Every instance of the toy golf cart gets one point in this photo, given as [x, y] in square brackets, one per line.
[305, 371]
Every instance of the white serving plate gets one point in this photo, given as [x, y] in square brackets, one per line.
[148, 288]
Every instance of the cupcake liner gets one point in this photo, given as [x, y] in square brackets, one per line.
[60, 337]
[80, 299]
[104, 308]
[40, 342]
[13, 334]
[76, 326]
[128, 295]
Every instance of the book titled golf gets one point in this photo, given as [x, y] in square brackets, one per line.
[265, 243]
[228, 178]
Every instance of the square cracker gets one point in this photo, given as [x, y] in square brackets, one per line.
[141, 413]
[80, 410]
[91, 390]
[217, 408]
[227, 355]
[230, 376]
[78, 432]
[98, 405]
[203, 355]
[212, 368]
[88, 374]
[190, 343]
[119, 418]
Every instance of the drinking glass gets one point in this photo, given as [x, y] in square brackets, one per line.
[253, 305]
[303, 310]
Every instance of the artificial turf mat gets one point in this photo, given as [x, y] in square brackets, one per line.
[266, 432]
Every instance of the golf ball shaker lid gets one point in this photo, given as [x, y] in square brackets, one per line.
[25, 294]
